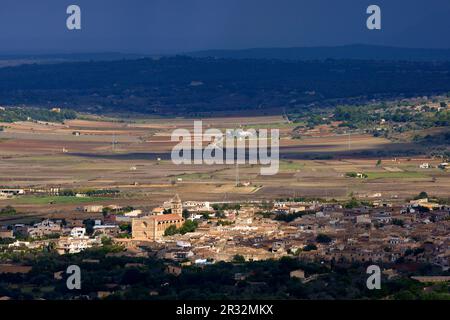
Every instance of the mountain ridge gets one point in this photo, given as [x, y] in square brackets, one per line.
[354, 51]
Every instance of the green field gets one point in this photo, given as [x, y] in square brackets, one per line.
[395, 175]
[194, 176]
[290, 165]
[55, 200]
[277, 125]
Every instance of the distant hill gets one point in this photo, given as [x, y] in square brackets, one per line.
[359, 52]
[95, 56]
[12, 60]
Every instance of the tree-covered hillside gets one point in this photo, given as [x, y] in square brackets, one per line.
[180, 85]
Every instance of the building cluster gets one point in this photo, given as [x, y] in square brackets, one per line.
[416, 231]
[64, 237]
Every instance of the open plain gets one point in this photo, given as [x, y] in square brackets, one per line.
[134, 157]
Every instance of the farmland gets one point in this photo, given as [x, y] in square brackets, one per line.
[133, 156]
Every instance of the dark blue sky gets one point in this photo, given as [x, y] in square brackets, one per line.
[160, 26]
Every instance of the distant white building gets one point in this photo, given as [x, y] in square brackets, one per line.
[319, 214]
[197, 205]
[183, 244]
[12, 192]
[73, 245]
[93, 208]
[363, 219]
[134, 213]
[78, 232]
[76, 242]
[443, 165]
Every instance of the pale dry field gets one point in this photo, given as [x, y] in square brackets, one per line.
[31, 156]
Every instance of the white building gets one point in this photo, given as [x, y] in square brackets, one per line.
[363, 219]
[75, 245]
[78, 232]
[93, 208]
[76, 242]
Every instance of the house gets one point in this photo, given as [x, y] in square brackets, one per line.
[20, 228]
[72, 223]
[76, 242]
[78, 232]
[425, 204]
[133, 213]
[5, 233]
[12, 268]
[158, 211]
[107, 229]
[103, 294]
[12, 192]
[93, 208]
[239, 276]
[183, 244]
[197, 205]
[173, 270]
[363, 219]
[443, 165]
[44, 228]
[75, 245]
[395, 240]
[382, 217]
[431, 279]
[298, 274]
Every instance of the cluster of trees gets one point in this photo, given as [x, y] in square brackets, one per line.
[300, 199]
[90, 193]
[323, 238]
[8, 210]
[102, 192]
[188, 226]
[398, 222]
[355, 116]
[226, 206]
[12, 114]
[310, 247]
[288, 217]
[268, 279]
[107, 210]
[352, 203]
[371, 115]
[421, 195]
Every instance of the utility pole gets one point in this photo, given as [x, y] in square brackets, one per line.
[349, 140]
[237, 173]
[113, 142]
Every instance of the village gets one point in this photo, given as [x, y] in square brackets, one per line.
[201, 233]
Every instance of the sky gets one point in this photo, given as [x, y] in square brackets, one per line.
[174, 26]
